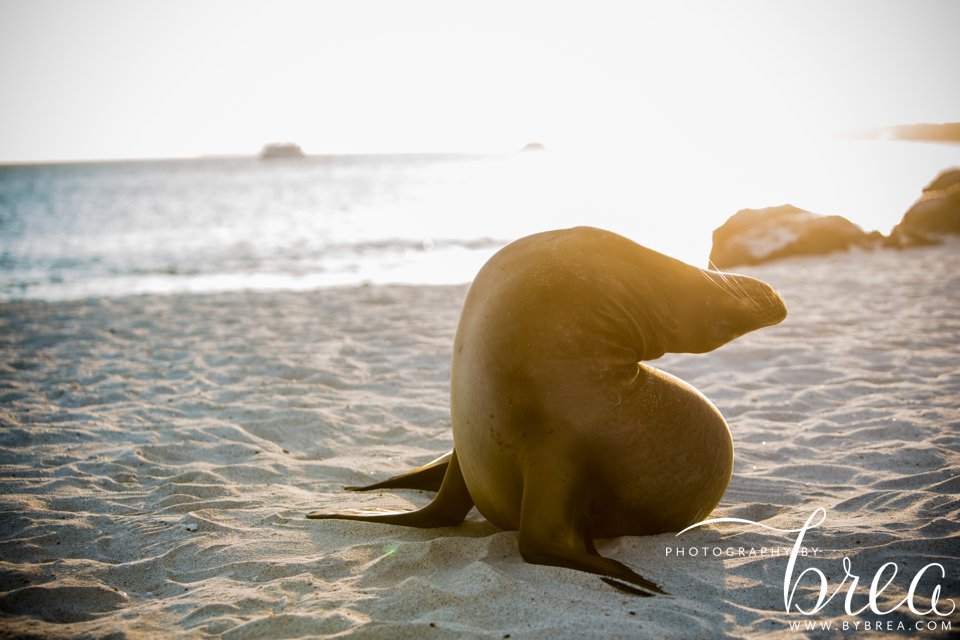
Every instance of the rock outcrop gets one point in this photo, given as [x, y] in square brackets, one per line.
[754, 236]
[277, 150]
[935, 214]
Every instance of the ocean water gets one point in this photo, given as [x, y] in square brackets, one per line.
[109, 229]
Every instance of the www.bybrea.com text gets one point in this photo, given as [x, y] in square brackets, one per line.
[870, 625]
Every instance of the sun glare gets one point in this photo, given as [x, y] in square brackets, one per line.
[116, 79]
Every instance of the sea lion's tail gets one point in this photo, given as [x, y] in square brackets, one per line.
[448, 508]
[427, 477]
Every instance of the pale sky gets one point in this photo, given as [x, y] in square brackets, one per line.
[123, 79]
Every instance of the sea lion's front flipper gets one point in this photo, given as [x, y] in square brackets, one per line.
[554, 530]
[428, 477]
[448, 508]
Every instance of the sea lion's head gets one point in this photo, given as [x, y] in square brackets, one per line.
[724, 307]
[587, 288]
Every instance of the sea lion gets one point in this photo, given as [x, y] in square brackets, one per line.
[559, 429]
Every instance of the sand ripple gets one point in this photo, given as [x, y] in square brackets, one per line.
[158, 454]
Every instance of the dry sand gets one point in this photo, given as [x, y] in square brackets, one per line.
[158, 454]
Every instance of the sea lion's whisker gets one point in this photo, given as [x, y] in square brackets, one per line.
[711, 280]
[733, 287]
[727, 281]
[739, 285]
[720, 275]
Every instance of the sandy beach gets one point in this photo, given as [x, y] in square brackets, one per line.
[158, 455]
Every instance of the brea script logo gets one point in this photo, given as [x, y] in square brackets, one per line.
[877, 586]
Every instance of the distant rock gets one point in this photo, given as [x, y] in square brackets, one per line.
[942, 132]
[936, 213]
[281, 150]
[754, 236]
[946, 179]
[945, 132]
[533, 146]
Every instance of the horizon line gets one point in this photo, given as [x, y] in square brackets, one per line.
[923, 132]
[246, 156]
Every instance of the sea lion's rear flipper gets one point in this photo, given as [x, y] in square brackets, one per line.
[428, 477]
[554, 530]
[448, 508]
